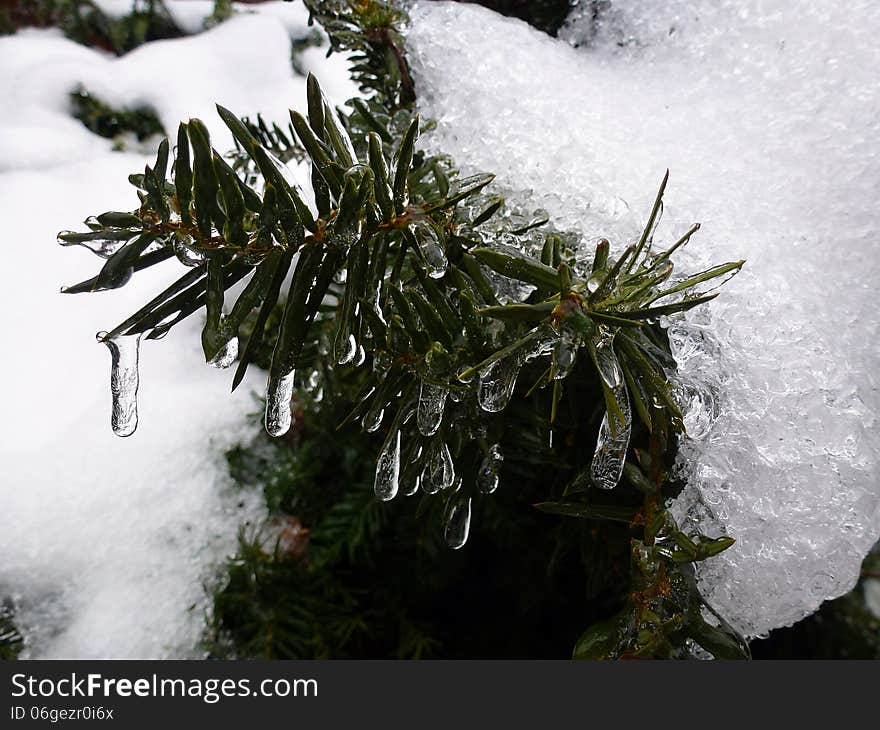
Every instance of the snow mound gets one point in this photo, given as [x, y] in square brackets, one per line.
[767, 113]
[107, 542]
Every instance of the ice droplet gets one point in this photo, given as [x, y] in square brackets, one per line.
[186, 255]
[429, 415]
[388, 469]
[595, 280]
[226, 355]
[413, 486]
[457, 518]
[439, 471]
[487, 474]
[279, 395]
[564, 355]
[435, 257]
[345, 347]
[124, 380]
[497, 382]
[372, 419]
[608, 461]
[462, 376]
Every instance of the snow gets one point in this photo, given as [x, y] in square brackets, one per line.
[242, 64]
[190, 15]
[767, 113]
[108, 543]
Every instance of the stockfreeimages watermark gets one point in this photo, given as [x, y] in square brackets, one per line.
[210, 691]
[57, 714]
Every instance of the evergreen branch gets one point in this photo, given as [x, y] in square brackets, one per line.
[398, 279]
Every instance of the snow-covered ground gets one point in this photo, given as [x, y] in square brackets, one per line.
[106, 542]
[767, 113]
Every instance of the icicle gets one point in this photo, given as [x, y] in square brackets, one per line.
[226, 355]
[124, 381]
[429, 415]
[608, 461]
[102, 247]
[497, 382]
[487, 475]
[388, 469]
[279, 395]
[606, 360]
[457, 518]
[429, 243]
[439, 471]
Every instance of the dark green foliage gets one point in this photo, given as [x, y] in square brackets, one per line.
[280, 142]
[11, 642]
[407, 289]
[84, 22]
[106, 121]
[369, 30]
